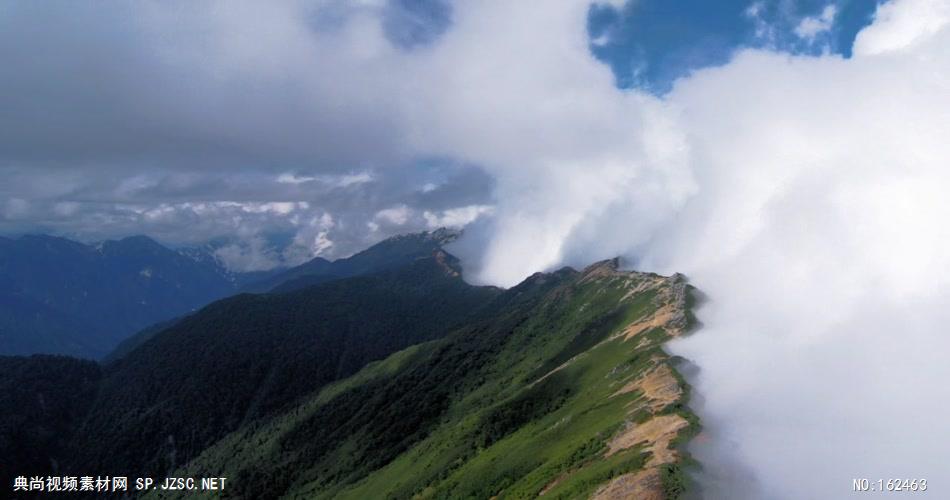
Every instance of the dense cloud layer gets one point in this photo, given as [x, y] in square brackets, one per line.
[819, 233]
[254, 123]
[804, 194]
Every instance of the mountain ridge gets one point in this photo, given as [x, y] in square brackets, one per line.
[391, 252]
[403, 383]
[60, 296]
[564, 353]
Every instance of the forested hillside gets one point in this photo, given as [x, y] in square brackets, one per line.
[243, 358]
[563, 390]
[43, 400]
[404, 383]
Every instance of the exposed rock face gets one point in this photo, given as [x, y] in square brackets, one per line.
[672, 296]
[659, 387]
[655, 433]
[643, 485]
[652, 424]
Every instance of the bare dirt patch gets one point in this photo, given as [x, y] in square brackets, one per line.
[657, 433]
[640, 485]
[660, 388]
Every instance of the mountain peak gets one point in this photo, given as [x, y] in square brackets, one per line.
[139, 241]
[607, 266]
[48, 238]
[610, 268]
[444, 235]
[440, 236]
[391, 253]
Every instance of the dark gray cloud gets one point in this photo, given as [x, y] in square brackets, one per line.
[178, 86]
[195, 122]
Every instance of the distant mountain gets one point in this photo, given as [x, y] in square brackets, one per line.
[63, 297]
[207, 255]
[403, 383]
[391, 253]
[29, 326]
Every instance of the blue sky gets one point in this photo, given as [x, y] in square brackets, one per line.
[650, 43]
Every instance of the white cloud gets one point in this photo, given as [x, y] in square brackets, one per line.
[276, 207]
[397, 215]
[601, 41]
[321, 243]
[764, 30]
[329, 180]
[900, 24]
[817, 232]
[289, 178]
[810, 27]
[456, 217]
[252, 253]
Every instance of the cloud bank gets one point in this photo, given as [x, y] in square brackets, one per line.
[804, 194]
[818, 232]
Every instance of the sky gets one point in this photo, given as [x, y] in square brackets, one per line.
[789, 157]
[229, 125]
[651, 43]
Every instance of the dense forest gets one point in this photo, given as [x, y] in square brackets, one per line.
[43, 398]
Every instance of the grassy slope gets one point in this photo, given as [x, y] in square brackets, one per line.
[484, 420]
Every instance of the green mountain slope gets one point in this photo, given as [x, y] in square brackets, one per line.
[561, 388]
[242, 359]
[406, 383]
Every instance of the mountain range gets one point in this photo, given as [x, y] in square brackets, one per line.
[401, 382]
[59, 296]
